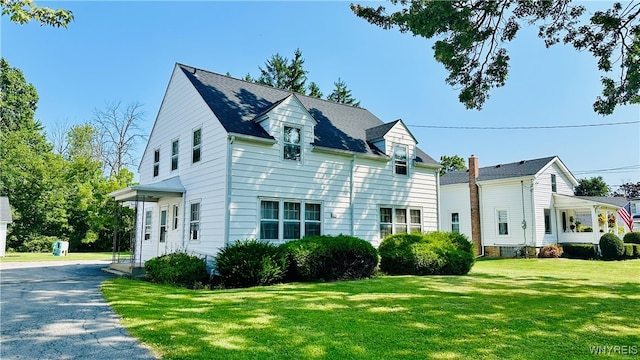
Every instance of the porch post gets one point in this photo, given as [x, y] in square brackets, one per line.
[594, 221]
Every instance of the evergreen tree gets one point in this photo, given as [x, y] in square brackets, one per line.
[314, 90]
[341, 94]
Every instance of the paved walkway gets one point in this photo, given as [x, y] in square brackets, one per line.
[54, 310]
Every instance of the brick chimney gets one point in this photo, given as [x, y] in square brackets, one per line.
[474, 199]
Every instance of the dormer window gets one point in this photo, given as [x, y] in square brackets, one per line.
[292, 143]
[400, 160]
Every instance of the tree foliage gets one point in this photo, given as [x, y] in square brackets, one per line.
[628, 190]
[451, 163]
[341, 94]
[471, 39]
[594, 186]
[23, 11]
[61, 195]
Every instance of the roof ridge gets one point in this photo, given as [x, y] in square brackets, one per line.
[270, 87]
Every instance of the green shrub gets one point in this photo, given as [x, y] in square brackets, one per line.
[445, 253]
[330, 258]
[628, 251]
[579, 251]
[631, 238]
[38, 244]
[611, 247]
[636, 251]
[177, 268]
[251, 263]
[550, 251]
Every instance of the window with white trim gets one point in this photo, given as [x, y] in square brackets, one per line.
[175, 148]
[547, 221]
[156, 162]
[394, 220]
[455, 222]
[292, 137]
[400, 159]
[174, 215]
[194, 221]
[283, 220]
[148, 218]
[196, 144]
[554, 184]
[502, 216]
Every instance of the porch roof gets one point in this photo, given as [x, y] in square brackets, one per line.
[171, 187]
[569, 201]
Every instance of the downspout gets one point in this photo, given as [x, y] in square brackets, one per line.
[438, 202]
[533, 216]
[352, 196]
[184, 220]
[524, 219]
[227, 219]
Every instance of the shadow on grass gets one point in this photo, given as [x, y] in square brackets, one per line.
[478, 315]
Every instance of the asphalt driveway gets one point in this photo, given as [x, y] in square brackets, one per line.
[56, 311]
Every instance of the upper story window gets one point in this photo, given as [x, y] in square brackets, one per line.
[175, 148]
[554, 185]
[400, 159]
[197, 141]
[292, 143]
[156, 162]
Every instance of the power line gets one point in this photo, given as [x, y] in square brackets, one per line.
[524, 127]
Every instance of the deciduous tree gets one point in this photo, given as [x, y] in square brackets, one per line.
[594, 186]
[472, 37]
[628, 190]
[451, 163]
[23, 11]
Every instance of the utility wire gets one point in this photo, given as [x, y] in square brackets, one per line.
[524, 127]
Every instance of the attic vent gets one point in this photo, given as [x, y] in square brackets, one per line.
[521, 162]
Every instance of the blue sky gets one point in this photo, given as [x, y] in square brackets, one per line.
[125, 51]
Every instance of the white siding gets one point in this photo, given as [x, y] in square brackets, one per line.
[454, 198]
[506, 195]
[543, 199]
[182, 111]
[3, 238]
[259, 171]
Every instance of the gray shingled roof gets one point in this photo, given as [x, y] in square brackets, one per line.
[237, 103]
[615, 201]
[5, 210]
[502, 171]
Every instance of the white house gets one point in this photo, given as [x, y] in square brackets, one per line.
[229, 159]
[508, 208]
[5, 219]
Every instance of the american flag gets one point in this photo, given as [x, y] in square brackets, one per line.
[625, 215]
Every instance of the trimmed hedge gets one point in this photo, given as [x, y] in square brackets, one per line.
[579, 251]
[251, 263]
[330, 258]
[611, 247]
[550, 251]
[631, 238]
[636, 250]
[628, 251]
[445, 253]
[177, 268]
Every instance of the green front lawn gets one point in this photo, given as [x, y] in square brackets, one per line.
[14, 257]
[515, 309]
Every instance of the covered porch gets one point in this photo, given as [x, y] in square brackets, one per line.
[139, 198]
[584, 219]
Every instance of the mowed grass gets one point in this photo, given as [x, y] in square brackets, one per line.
[503, 309]
[25, 257]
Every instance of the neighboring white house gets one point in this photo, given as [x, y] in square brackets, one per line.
[5, 219]
[229, 160]
[635, 212]
[529, 203]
